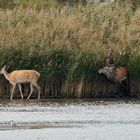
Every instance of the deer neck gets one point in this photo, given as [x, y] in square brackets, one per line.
[6, 75]
[111, 75]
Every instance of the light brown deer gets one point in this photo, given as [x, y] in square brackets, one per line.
[19, 77]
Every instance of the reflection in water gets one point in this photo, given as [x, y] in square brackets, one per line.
[70, 119]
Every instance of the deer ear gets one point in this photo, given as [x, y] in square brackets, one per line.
[4, 66]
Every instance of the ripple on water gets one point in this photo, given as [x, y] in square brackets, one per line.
[94, 111]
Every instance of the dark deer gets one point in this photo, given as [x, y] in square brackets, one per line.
[117, 75]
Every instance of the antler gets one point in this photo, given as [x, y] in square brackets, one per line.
[109, 53]
[119, 57]
[110, 65]
[108, 59]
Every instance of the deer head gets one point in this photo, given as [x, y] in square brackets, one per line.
[108, 71]
[3, 69]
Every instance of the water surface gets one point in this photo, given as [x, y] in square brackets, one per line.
[70, 119]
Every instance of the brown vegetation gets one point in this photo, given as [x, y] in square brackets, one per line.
[67, 45]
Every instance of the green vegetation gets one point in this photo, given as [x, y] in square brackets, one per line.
[68, 44]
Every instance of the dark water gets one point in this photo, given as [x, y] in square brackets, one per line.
[70, 119]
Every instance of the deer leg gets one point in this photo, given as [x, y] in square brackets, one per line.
[20, 90]
[38, 88]
[125, 88]
[32, 89]
[13, 89]
[120, 90]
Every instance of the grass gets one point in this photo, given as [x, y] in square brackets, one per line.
[68, 44]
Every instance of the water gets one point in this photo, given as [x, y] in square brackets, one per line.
[70, 120]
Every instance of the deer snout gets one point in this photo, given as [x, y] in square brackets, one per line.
[99, 71]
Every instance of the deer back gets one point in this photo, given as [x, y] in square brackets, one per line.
[121, 73]
[23, 76]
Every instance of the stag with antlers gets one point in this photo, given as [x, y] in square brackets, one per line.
[118, 75]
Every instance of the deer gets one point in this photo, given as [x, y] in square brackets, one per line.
[118, 75]
[18, 77]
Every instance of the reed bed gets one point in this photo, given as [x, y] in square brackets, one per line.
[68, 44]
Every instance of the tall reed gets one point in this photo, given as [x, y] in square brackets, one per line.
[68, 44]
